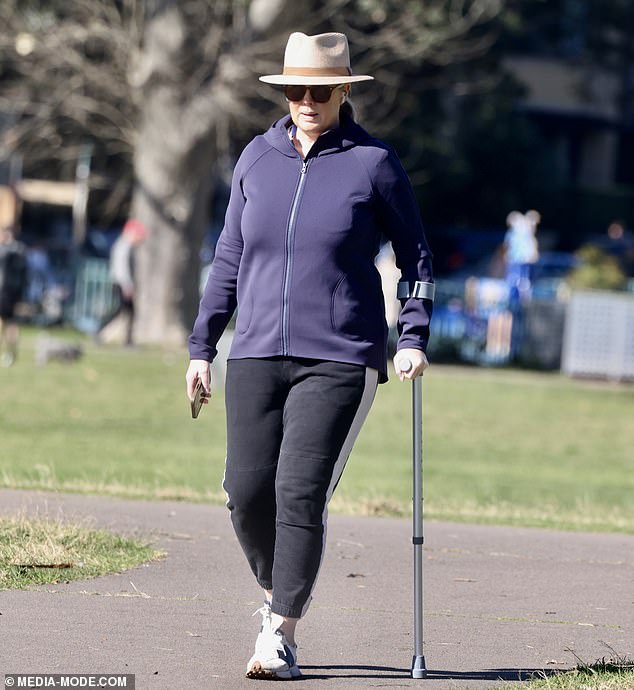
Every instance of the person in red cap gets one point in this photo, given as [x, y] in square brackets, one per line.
[122, 276]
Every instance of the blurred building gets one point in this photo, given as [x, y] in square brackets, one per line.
[578, 108]
[575, 61]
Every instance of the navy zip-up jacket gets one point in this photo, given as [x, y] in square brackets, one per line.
[297, 251]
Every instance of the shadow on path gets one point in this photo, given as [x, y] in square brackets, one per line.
[505, 674]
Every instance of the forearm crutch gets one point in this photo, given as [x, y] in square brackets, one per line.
[419, 669]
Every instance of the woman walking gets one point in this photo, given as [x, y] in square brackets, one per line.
[310, 201]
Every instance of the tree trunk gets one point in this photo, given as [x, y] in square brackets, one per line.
[197, 61]
[168, 263]
[174, 166]
[177, 148]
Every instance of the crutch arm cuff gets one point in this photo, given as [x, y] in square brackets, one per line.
[416, 289]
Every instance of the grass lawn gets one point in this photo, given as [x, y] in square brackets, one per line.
[35, 551]
[605, 674]
[500, 446]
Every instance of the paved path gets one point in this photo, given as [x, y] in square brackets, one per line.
[499, 603]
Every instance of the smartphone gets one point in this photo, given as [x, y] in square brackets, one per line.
[199, 396]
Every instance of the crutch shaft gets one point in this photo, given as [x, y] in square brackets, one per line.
[418, 662]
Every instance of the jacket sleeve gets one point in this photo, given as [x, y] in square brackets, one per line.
[401, 223]
[219, 300]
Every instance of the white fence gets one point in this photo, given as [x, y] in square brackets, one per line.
[599, 335]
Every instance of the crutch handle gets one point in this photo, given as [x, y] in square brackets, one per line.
[405, 365]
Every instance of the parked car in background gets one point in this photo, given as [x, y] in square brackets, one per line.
[548, 274]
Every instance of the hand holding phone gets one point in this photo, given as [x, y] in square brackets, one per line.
[198, 382]
[199, 397]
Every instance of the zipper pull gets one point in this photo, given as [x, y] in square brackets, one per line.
[304, 167]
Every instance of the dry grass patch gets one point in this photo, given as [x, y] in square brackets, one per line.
[38, 550]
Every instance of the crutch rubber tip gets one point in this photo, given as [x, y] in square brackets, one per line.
[419, 670]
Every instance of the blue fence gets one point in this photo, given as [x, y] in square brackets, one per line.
[474, 320]
[94, 296]
[479, 321]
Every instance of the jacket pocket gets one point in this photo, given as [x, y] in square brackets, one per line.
[346, 310]
[245, 313]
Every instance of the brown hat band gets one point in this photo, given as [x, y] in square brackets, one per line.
[317, 71]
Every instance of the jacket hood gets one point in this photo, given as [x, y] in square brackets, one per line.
[345, 136]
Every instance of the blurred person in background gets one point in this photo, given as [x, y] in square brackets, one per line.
[122, 275]
[41, 277]
[13, 285]
[521, 252]
[619, 242]
[310, 202]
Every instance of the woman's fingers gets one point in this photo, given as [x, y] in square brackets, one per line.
[410, 363]
[198, 370]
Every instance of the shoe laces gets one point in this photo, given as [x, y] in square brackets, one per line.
[267, 626]
[265, 611]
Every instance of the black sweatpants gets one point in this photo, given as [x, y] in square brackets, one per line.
[291, 424]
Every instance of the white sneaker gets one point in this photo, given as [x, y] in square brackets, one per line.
[267, 622]
[274, 657]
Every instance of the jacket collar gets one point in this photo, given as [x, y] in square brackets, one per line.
[347, 135]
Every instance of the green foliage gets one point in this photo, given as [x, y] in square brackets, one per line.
[597, 270]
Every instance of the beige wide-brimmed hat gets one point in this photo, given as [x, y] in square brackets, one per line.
[320, 59]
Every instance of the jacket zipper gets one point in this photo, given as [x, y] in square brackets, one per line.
[290, 232]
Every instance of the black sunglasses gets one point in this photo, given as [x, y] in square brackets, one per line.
[319, 94]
